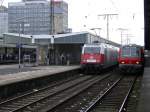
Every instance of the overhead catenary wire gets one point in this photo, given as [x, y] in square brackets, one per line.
[122, 30]
[107, 16]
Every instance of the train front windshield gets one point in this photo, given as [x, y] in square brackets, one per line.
[130, 52]
[92, 50]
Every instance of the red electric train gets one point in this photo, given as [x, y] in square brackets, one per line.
[97, 56]
[131, 58]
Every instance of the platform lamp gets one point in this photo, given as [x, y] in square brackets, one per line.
[52, 44]
[21, 23]
[19, 47]
[48, 52]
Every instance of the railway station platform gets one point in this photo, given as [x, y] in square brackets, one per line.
[10, 74]
[14, 80]
[144, 101]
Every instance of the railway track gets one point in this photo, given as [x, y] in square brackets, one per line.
[82, 101]
[115, 99]
[109, 95]
[104, 93]
[133, 99]
[49, 97]
[52, 83]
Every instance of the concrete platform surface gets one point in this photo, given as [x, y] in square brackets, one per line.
[30, 72]
[144, 103]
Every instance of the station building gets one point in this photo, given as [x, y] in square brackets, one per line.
[49, 48]
[34, 17]
[3, 20]
[9, 48]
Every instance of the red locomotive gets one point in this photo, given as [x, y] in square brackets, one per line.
[131, 58]
[98, 56]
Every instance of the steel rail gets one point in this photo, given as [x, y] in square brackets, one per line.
[39, 90]
[86, 85]
[34, 92]
[127, 96]
[101, 96]
[109, 90]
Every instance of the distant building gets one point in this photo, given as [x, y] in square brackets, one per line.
[3, 20]
[33, 17]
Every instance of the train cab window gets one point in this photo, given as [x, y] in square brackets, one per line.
[92, 50]
[134, 52]
[125, 51]
[130, 52]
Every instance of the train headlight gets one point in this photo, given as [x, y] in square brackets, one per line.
[122, 62]
[137, 62]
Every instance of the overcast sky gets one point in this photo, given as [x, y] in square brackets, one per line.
[83, 15]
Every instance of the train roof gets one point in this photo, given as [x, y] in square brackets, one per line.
[98, 44]
[91, 45]
[131, 45]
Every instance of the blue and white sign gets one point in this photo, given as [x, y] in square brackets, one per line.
[18, 45]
